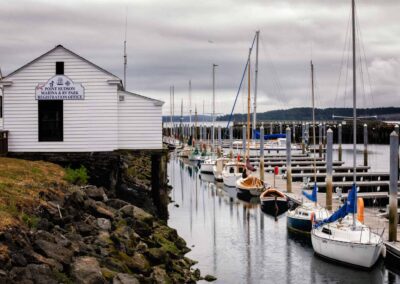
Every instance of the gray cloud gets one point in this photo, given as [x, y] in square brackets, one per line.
[170, 42]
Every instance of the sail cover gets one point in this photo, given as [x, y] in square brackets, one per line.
[313, 195]
[256, 134]
[349, 207]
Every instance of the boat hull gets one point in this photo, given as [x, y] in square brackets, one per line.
[269, 206]
[230, 180]
[350, 253]
[299, 225]
[206, 168]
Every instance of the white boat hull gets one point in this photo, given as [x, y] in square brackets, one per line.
[230, 180]
[357, 254]
[206, 168]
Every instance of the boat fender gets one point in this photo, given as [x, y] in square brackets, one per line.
[360, 210]
[383, 251]
[312, 217]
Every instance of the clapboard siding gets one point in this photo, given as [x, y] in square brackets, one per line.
[139, 123]
[98, 123]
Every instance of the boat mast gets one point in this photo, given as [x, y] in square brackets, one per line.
[181, 120]
[170, 107]
[248, 107]
[195, 122]
[354, 99]
[255, 87]
[125, 55]
[213, 107]
[190, 105]
[313, 120]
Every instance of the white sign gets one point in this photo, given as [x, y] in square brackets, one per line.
[60, 87]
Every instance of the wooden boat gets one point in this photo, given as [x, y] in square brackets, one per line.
[232, 172]
[273, 202]
[250, 185]
[218, 167]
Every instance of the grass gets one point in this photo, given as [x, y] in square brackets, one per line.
[21, 184]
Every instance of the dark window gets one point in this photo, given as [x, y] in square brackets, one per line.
[50, 120]
[59, 68]
[326, 231]
[1, 106]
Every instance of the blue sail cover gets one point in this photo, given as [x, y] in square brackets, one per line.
[313, 195]
[256, 134]
[349, 207]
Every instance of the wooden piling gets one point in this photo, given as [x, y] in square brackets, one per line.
[262, 152]
[365, 145]
[393, 186]
[271, 128]
[329, 169]
[288, 161]
[231, 137]
[219, 137]
[280, 127]
[340, 142]
[320, 140]
[244, 143]
[303, 147]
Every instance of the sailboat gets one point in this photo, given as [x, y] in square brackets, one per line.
[250, 185]
[208, 164]
[341, 237]
[300, 218]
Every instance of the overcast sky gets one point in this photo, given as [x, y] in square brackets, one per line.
[171, 42]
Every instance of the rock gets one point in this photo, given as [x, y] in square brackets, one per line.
[86, 270]
[123, 278]
[32, 273]
[137, 213]
[77, 197]
[96, 193]
[141, 247]
[85, 228]
[38, 258]
[55, 251]
[99, 209]
[157, 255]
[210, 278]
[116, 203]
[18, 259]
[160, 276]
[104, 224]
[139, 263]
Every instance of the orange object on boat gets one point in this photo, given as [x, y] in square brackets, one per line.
[276, 170]
[360, 210]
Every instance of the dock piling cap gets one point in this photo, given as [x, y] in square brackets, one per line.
[394, 133]
[329, 130]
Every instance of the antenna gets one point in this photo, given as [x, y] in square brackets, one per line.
[125, 55]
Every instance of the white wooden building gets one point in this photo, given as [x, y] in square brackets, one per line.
[61, 102]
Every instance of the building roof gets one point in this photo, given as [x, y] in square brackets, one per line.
[156, 102]
[69, 51]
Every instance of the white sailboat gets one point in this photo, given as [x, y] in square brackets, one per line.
[232, 171]
[301, 218]
[341, 237]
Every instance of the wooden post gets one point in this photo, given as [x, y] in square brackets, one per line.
[324, 134]
[271, 128]
[393, 186]
[294, 132]
[365, 145]
[303, 148]
[244, 143]
[329, 169]
[320, 140]
[219, 137]
[340, 142]
[262, 152]
[288, 161]
[280, 127]
[231, 137]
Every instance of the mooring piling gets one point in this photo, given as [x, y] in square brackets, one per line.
[219, 137]
[303, 147]
[280, 127]
[340, 142]
[320, 140]
[271, 129]
[262, 152]
[231, 137]
[294, 132]
[365, 145]
[244, 142]
[289, 160]
[393, 186]
[329, 169]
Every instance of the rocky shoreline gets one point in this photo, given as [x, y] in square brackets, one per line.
[82, 234]
[84, 237]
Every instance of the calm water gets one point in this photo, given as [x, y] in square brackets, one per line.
[238, 243]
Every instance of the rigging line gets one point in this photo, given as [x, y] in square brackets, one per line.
[365, 58]
[240, 85]
[347, 71]
[275, 77]
[342, 59]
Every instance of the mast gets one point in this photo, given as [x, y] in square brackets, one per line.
[125, 55]
[195, 122]
[181, 120]
[173, 110]
[313, 120]
[255, 86]
[190, 105]
[248, 107]
[170, 107]
[213, 108]
[354, 99]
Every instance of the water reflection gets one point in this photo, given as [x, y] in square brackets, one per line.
[235, 241]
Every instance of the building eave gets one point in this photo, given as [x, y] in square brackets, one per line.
[156, 102]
